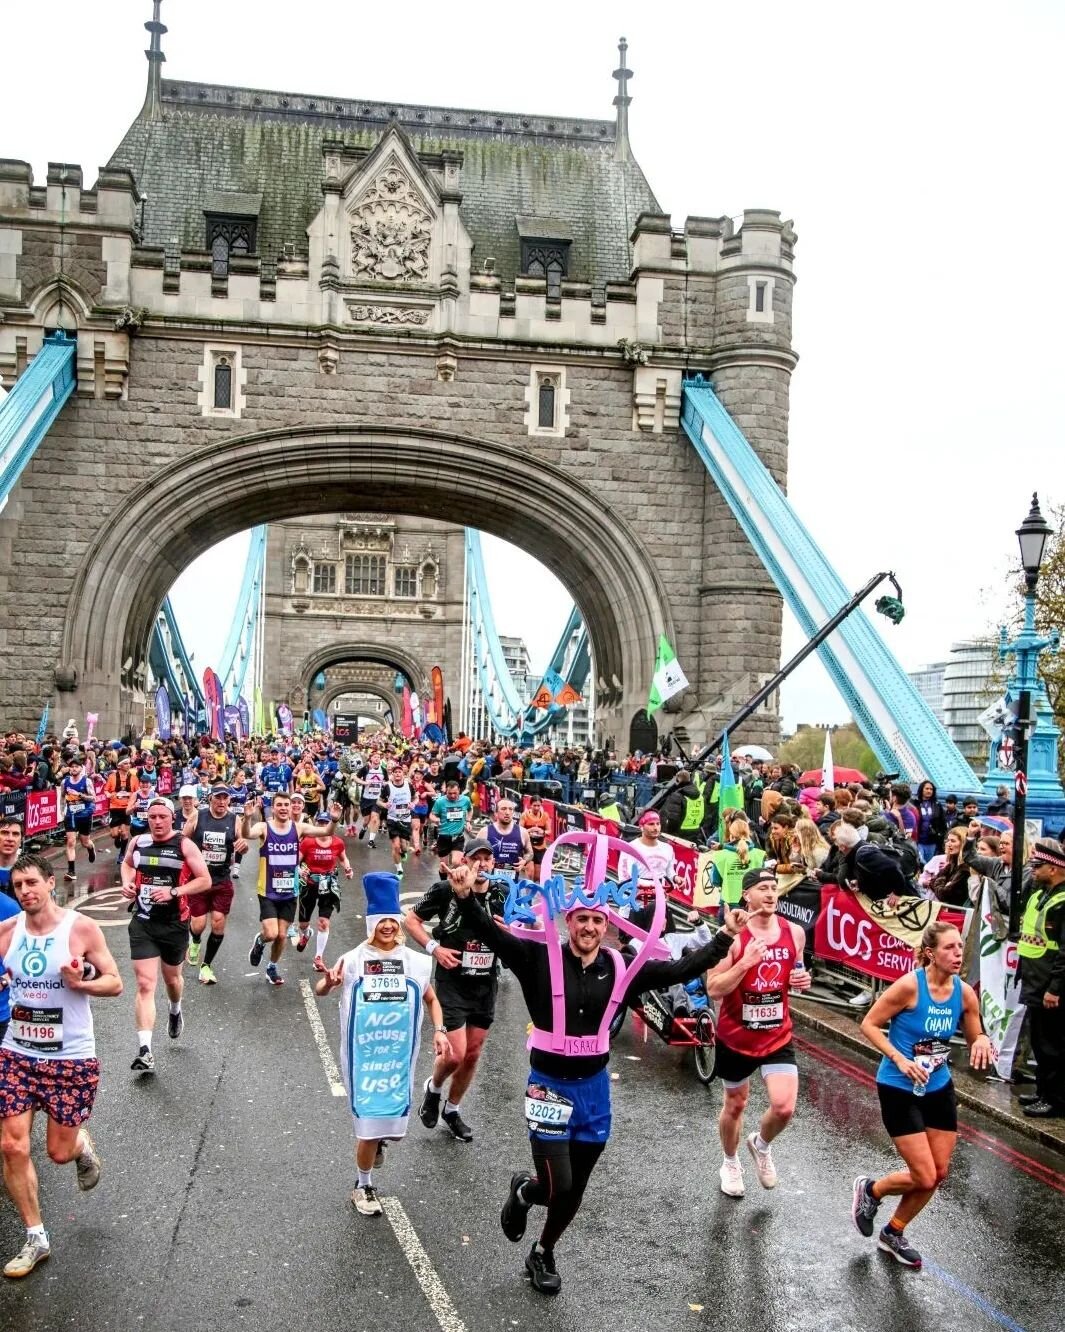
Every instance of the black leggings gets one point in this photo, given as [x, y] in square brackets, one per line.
[562, 1173]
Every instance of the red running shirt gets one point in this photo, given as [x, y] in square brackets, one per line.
[755, 1019]
[321, 859]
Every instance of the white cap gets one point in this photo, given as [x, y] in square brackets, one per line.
[188, 791]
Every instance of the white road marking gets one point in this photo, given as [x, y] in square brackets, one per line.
[321, 1040]
[439, 1301]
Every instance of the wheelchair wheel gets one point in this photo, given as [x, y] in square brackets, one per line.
[706, 1050]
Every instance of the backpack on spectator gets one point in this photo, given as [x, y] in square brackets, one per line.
[901, 849]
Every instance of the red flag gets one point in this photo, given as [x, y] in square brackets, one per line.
[542, 698]
[567, 695]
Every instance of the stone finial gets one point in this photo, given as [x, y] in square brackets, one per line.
[622, 101]
[153, 98]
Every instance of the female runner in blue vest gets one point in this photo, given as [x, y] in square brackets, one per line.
[916, 1091]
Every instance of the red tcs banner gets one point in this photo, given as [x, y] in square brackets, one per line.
[42, 812]
[845, 932]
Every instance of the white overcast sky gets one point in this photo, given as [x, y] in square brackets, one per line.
[917, 146]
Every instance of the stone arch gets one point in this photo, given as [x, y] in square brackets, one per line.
[218, 490]
[333, 692]
[345, 653]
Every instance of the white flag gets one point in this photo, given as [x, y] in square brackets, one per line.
[828, 770]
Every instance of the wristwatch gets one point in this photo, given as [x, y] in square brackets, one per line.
[440, 1031]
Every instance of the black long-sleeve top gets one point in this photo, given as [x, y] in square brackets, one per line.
[587, 988]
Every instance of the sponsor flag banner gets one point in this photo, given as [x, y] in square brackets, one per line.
[284, 717]
[668, 679]
[850, 931]
[729, 790]
[162, 712]
[1001, 1009]
[231, 719]
[437, 676]
[259, 716]
[406, 721]
[321, 721]
[43, 724]
[245, 716]
[91, 718]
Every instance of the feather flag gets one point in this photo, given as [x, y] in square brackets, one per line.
[729, 790]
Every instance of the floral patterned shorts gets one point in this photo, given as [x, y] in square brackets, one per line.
[64, 1088]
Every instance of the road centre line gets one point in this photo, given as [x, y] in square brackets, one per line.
[321, 1040]
[438, 1299]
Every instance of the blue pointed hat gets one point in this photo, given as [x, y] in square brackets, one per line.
[382, 900]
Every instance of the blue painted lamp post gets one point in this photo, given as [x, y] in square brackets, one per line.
[1037, 787]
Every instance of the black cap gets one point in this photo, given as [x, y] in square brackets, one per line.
[478, 844]
[754, 877]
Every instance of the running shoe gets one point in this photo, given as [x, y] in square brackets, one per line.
[207, 976]
[274, 976]
[864, 1206]
[731, 1174]
[70, 878]
[145, 1061]
[399, 870]
[543, 1274]
[175, 1024]
[87, 1165]
[366, 1202]
[458, 1126]
[515, 1212]
[371, 841]
[362, 833]
[319, 963]
[34, 1251]
[92, 854]
[192, 955]
[429, 1110]
[255, 952]
[235, 872]
[303, 940]
[895, 1243]
[763, 1163]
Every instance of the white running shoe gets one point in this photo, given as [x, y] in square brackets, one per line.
[366, 1202]
[732, 1178]
[763, 1162]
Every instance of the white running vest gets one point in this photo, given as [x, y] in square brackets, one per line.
[48, 1020]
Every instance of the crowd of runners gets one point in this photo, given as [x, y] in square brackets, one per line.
[178, 855]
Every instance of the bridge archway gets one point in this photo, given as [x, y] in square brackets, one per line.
[353, 691]
[218, 490]
[343, 653]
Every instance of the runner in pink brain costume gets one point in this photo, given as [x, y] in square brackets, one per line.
[573, 986]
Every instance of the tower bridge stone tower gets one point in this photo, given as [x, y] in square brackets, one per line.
[289, 303]
[355, 599]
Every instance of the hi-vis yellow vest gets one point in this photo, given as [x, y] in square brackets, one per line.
[1033, 941]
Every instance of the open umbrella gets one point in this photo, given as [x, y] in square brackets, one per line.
[813, 777]
[753, 752]
[996, 823]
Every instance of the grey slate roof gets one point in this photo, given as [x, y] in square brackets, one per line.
[212, 140]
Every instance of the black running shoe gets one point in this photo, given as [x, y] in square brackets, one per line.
[429, 1110]
[515, 1213]
[458, 1126]
[144, 1062]
[175, 1025]
[896, 1243]
[255, 952]
[540, 1266]
[92, 854]
[864, 1206]
[362, 833]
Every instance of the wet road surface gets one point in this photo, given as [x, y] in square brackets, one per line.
[224, 1198]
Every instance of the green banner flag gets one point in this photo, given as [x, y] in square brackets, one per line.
[668, 678]
[729, 790]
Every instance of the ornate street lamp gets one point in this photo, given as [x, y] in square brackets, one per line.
[1032, 537]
